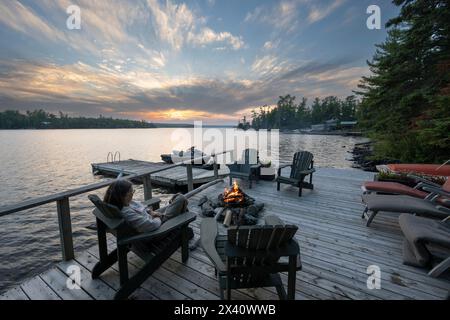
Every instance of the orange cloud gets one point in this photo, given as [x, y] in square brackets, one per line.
[174, 115]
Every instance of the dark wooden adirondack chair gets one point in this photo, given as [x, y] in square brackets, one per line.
[153, 247]
[248, 170]
[252, 256]
[302, 166]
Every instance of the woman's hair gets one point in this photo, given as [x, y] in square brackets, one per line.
[116, 193]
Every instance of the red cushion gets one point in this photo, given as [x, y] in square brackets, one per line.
[398, 188]
[393, 187]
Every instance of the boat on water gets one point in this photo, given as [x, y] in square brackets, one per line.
[190, 154]
[426, 169]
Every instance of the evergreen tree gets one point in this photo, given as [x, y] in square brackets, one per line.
[405, 102]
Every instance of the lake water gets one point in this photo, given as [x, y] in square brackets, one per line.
[41, 162]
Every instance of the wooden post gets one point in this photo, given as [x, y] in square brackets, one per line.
[190, 180]
[65, 229]
[147, 182]
[216, 169]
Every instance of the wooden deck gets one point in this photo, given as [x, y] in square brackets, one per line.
[172, 178]
[336, 249]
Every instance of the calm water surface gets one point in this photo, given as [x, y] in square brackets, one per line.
[40, 162]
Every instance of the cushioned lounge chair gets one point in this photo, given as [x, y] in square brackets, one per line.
[401, 189]
[426, 240]
[402, 204]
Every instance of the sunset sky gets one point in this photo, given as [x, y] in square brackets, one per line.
[174, 61]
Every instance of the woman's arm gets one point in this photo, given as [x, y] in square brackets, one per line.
[139, 221]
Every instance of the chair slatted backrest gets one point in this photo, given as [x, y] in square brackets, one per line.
[110, 215]
[301, 162]
[268, 237]
[250, 156]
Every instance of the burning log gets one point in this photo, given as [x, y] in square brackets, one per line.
[233, 203]
[235, 197]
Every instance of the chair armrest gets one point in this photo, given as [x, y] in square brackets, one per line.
[152, 202]
[273, 220]
[309, 171]
[255, 166]
[291, 248]
[444, 210]
[282, 167]
[421, 182]
[208, 235]
[167, 227]
[438, 191]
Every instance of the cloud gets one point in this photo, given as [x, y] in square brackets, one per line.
[130, 60]
[268, 65]
[288, 14]
[281, 16]
[177, 25]
[318, 13]
[22, 19]
[91, 89]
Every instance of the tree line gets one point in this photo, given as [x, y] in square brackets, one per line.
[288, 114]
[404, 105]
[40, 119]
[405, 102]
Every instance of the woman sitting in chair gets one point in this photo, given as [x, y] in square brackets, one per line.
[136, 214]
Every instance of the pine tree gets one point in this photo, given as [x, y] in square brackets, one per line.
[405, 102]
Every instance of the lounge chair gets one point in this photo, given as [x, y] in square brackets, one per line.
[385, 187]
[426, 240]
[153, 247]
[403, 204]
[248, 168]
[302, 166]
[251, 257]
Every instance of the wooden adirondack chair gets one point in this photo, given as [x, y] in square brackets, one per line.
[248, 170]
[153, 247]
[302, 166]
[252, 256]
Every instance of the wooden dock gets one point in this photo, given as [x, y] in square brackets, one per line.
[171, 178]
[336, 249]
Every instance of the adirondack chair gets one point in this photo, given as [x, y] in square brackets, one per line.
[252, 256]
[248, 170]
[302, 166]
[153, 247]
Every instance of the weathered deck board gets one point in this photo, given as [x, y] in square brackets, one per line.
[174, 177]
[336, 249]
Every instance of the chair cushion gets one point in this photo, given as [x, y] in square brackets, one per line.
[394, 188]
[405, 204]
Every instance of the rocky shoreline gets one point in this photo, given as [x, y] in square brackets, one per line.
[362, 157]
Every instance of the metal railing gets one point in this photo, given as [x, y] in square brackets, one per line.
[63, 204]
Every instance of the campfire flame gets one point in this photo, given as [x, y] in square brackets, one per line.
[233, 195]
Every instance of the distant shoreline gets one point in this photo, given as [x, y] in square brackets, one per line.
[93, 128]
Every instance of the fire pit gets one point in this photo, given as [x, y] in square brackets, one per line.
[233, 207]
[235, 198]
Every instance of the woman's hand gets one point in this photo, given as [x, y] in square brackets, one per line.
[154, 214]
